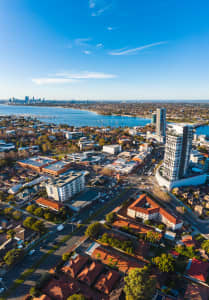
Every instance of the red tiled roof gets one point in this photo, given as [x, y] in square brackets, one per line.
[174, 253]
[113, 257]
[188, 241]
[60, 289]
[138, 204]
[106, 281]
[75, 265]
[136, 227]
[198, 270]
[89, 274]
[49, 203]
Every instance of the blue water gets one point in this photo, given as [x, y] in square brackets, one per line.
[203, 130]
[75, 117]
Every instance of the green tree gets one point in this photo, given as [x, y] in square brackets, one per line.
[139, 285]
[31, 208]
[11, 233]
[39, 212]
[13, 256]
[38, 226]
[8, 211]
[205, 246]
[110, 218]
[16, 215]
[153, 237]
[165, 262]
[28, 222]
[65, 256]
[93, 230]
[48, 216]
[76, 297]
[34, 291]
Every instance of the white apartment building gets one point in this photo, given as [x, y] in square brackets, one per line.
[65, 186]
[112, 149]
[177, 151]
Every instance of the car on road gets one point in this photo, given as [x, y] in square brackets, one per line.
[60, 227]
[31, 252]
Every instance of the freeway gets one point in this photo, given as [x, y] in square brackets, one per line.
[54, 238]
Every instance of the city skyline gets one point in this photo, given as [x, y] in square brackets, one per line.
[104, 50]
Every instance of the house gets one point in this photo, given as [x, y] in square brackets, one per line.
[23, 234]
[188, 241]
[198, 209]
[46, 203]
[107, 256]
[147, 209]
[107, 281]
[74, 266]
[89, 274]
[198, 270]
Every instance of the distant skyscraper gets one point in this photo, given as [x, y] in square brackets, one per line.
[27, 99]
[161, 122]
[177, 151]
[154, 118]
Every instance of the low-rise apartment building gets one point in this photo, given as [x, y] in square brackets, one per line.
[147, 209]
[65, 186]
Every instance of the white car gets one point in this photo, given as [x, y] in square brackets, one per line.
[60, 227]
[31, 252]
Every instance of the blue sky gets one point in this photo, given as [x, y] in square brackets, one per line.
[104, 49]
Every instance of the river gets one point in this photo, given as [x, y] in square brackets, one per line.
[75, 117]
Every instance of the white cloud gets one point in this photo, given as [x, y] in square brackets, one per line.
[82, 42]
[98, 7]
[100, 45]
[60, 78]
[134, 50]
[92, 3]
[87, 52]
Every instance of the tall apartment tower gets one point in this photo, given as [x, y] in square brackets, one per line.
[177, 151]
[161, 122]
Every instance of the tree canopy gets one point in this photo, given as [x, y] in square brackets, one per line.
[93, 229]
[13, 256]
[110, 218]
[165, 262]
[139, 285]
[76, 297]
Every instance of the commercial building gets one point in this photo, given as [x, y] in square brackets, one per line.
[37, 163]
[65, 186]
[70, 135]
[177, 152]
[57, 168]
[147, 209]
[112, 149]
[161, 122]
